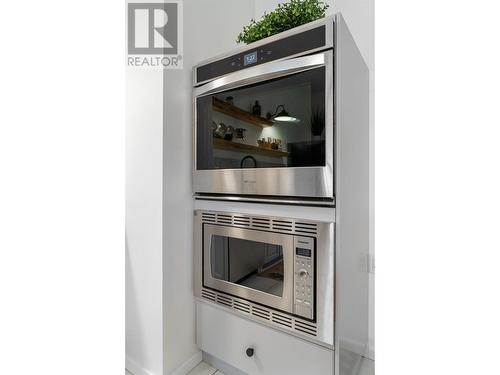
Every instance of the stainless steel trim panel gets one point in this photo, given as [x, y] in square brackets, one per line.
[278, 229]
[299, 202]
[261, 73]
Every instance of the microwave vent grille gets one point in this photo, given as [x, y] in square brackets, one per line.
[283, 225]
[307, 228]
[261, 313]
[261, 223]
[208, 295]
[224, 219]
[223, 300]
[242, 221]
[305, 327]
[208, 217]
[282, 320]
[242, 306]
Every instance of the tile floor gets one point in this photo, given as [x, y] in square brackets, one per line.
[204, 369]
[367, 368]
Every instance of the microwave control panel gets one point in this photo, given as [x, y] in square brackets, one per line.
[304, 277]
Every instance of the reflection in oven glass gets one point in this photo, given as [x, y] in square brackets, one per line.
[252, 264]
[276, 123]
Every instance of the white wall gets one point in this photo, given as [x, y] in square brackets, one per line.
[159, 299]
[210, 28]
[144, 175]
[159, 302]
[359, 16]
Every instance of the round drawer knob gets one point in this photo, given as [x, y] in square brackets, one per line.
[249, 352]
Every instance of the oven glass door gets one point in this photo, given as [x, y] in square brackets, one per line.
[263, 129]
[279, 122]
[254, 265]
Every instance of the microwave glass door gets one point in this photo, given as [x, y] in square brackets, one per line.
[252, 264]
[279, 122]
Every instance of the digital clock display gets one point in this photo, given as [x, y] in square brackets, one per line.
[250, 58]
[303, 252]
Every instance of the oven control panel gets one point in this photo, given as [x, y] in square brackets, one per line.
[292, 45]
[304, 277]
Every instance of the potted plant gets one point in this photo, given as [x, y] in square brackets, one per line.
[286, 16]
[317, 123]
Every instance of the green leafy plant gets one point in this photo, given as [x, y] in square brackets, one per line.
[284, 17]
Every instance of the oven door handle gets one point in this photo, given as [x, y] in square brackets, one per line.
[263, 72]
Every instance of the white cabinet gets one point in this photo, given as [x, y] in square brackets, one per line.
[227, 337]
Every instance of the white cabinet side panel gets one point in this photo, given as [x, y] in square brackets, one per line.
[352, 201]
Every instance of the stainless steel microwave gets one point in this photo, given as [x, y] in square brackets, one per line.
[273, 269]
[264, 117]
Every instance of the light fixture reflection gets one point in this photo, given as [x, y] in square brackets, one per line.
[282, 116]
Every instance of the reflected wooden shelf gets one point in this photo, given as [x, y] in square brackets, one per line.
[229, 145]
[240, 114]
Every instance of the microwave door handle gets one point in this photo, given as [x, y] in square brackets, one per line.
[261, 73]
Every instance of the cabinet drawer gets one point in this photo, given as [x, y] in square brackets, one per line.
[227, 336]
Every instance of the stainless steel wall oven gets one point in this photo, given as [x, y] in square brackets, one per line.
[273, 269]
[263, 118]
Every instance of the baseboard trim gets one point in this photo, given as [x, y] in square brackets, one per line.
[135, 369]
[365, 350]
[371, 352]
[187, 366]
